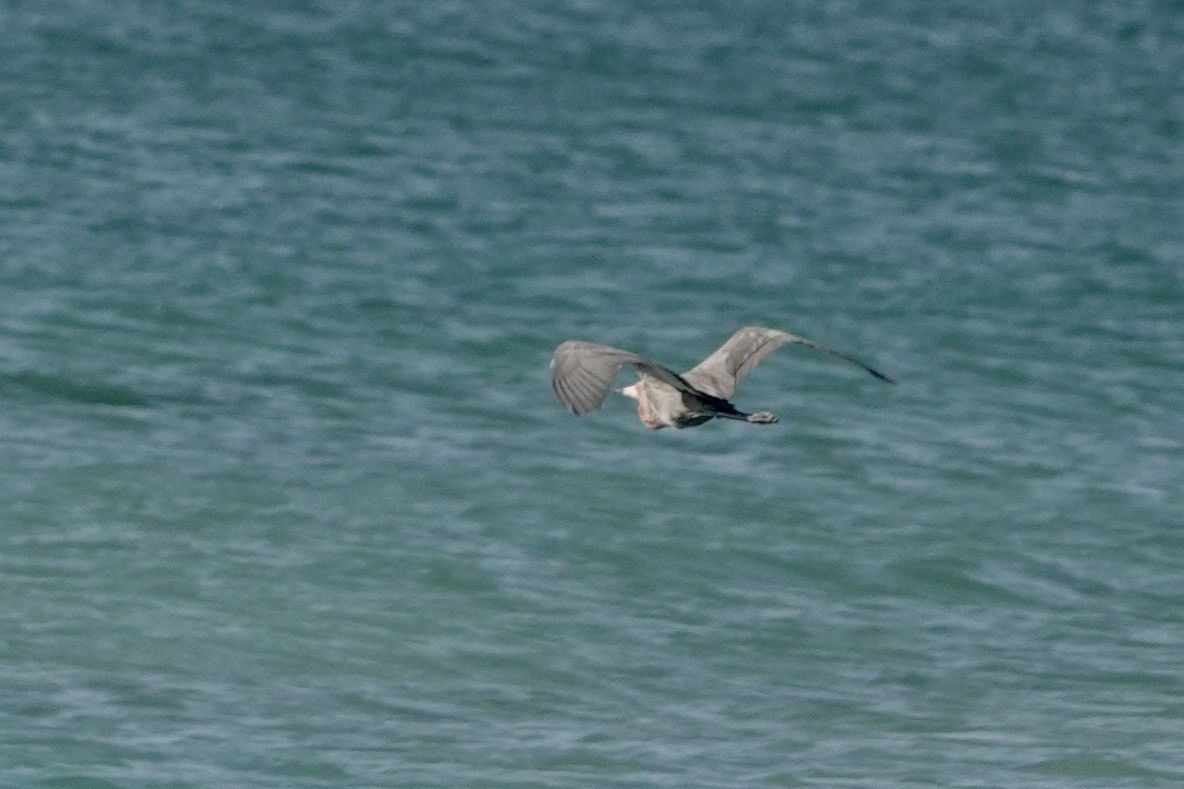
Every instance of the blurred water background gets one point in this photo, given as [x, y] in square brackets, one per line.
[288, 501]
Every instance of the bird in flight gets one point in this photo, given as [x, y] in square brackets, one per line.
[583, 372]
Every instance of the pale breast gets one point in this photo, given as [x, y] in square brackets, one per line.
[660, 405]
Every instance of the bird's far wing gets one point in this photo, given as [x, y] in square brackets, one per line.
[720, 372]
[583, 372]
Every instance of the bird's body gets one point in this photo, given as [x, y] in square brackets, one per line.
[660, 405]
[583, 372]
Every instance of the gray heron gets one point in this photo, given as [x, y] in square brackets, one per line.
[582, 374]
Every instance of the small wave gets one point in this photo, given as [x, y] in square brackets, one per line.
[60, 387]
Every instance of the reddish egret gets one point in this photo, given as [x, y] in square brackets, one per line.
[582, 373]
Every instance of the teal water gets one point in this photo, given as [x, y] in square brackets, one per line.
[288, 500]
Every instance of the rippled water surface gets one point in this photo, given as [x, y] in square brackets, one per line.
[289, 501]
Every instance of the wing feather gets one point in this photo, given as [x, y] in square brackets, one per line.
[582, 373]
[585, 388]
[564, 394]
[722, 371]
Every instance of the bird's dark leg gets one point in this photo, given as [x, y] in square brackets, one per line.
[759, 418]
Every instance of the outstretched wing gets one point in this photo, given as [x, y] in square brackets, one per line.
[720, 372]
[583, 372]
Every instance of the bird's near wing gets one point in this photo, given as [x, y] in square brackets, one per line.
[583, 372]
[720, 372]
